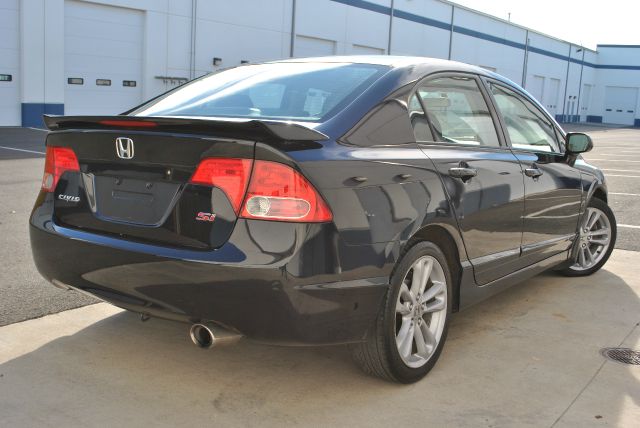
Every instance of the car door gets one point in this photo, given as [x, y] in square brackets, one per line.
[553, 191]
[482, 176]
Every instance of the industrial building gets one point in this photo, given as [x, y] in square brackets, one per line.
[106, 56]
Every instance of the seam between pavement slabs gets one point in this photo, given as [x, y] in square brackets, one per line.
[55, 313]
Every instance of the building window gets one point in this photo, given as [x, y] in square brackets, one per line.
[6, 78]
[103, 82]
[129, 83]
[75, 81]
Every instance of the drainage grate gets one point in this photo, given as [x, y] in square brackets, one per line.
[622, 355]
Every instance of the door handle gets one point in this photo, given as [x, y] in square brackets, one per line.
[464, 173]
[533, 172]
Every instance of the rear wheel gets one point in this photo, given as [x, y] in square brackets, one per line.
[411, 328]
[595, 240]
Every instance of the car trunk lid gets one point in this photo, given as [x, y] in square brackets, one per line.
[135, 178]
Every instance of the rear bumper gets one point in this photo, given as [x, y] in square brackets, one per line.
[273, 282]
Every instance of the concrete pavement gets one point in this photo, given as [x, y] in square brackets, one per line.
[527, 357]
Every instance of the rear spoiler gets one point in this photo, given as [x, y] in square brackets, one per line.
[257, 130]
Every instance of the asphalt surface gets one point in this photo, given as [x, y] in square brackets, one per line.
[617, 152]
[26, 295]
[21, 143]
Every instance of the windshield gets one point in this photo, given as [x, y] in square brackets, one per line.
[287, 90]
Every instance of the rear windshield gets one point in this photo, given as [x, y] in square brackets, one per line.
[290, 91]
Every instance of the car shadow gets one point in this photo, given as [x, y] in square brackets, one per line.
[520, 358]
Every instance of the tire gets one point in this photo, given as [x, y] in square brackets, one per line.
[379, 354]
[600, 253]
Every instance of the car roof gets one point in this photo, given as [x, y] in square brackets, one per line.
[392, 61]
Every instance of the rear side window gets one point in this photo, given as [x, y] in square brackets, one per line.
[457, 111]
[290, 91]
[419, 121]
[527, 126]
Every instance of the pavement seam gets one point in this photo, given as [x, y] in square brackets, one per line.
[52, 313]
[21, 150]
[591, 379]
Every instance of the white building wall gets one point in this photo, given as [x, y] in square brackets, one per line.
[611, 55]
[349, 26]
[102, 44]
[241, 30]
[506, 59]
[543, 61]
[10, 62]
[255, 30]
[586, 96]
[416, 38]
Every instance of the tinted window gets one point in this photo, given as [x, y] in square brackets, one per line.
[292, 91]
[527, 126]
[458, 112]
[419, 122]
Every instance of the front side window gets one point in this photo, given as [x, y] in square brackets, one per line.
[458, 112]
[287, 91]
[527, 127]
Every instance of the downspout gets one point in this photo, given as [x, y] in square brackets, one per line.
[390, 28]
[192, 59]
[453, 14]
[293, 29]
[566, 85]
[580, 87]
[525, 62]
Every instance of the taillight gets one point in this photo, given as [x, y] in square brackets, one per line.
[275, 191]
[129, 123]
[278, 192]
[57, 161]
[229, 175]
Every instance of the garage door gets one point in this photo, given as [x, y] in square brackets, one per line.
[366, 50]
[9, 64]
[103, 58]
[552, 97]
[536, 88]
[620, 105]
[313, 46]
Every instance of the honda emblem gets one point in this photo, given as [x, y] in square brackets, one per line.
[124, 148]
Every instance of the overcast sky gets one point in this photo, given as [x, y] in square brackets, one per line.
[582, 22]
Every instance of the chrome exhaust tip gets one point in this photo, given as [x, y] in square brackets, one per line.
[208, 335]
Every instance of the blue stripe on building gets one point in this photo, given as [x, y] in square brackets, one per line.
[619, 46]
[32, 113]
[421, 19]
[362, 4]
[617, 67]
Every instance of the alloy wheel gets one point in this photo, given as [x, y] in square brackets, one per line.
[421, 311]
[594, 239]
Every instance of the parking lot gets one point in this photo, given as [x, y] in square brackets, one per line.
[617, 152]
[528, 357]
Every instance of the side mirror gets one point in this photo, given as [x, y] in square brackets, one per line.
[577, 142]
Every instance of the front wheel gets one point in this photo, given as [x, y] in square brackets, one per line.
[411, 328]
[595, 241]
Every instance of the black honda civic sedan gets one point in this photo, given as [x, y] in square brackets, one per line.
[343, 200]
